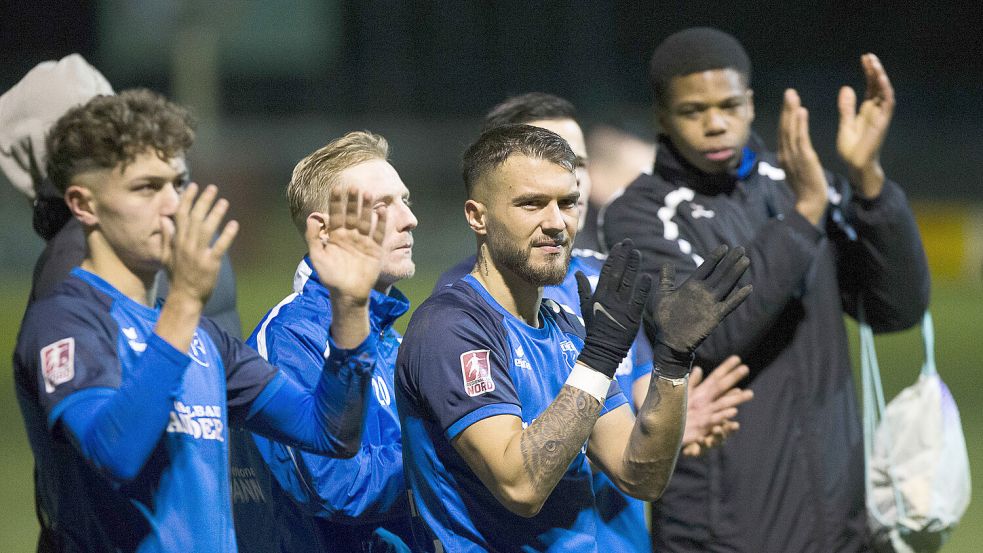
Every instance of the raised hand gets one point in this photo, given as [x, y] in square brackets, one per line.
[803, 171]
[613, 312]
[677, 320]
[712, 405]
[862, 132]
[190, 256]
[346, 249]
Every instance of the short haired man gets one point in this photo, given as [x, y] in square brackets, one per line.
[621, 524]
[792, 479]
[498, 391]
[324, 504]
[127, 406]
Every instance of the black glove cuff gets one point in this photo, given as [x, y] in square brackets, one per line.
[670, 363]
[602, 357]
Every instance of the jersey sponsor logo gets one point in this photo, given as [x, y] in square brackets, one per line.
[245, 486]
[381, 390]
[133, 339]
[198, 351]
[58, 363]
[476, 369]
[201, 422]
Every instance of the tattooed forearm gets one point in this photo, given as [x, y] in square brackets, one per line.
[655, 440]
[557, 435]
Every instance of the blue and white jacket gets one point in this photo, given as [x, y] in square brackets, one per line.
[320, 503]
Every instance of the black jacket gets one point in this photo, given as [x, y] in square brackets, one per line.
[791, 480]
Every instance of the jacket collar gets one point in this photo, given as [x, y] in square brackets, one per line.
[384, 309]
[673, 167]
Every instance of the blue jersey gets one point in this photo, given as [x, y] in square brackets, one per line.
[465, 358]
[81, 342]
[320, 503]
[621, 524]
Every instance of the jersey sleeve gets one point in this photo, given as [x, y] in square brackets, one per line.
[246, 373]
[880, 257]
[454, 366]
[69, 345]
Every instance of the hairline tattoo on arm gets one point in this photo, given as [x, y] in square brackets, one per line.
[551, 442]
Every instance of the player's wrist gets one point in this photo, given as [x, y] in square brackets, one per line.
[868, 180]
[594, 382]
[671, 364]
[602, 356]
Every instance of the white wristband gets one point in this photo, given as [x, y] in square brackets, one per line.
[587, 379]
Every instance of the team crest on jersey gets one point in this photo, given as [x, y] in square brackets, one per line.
[58, 363]
[198, 351]
[476, 369]
[569, 352]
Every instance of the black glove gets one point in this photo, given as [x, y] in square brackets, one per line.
[613, 312]
[678, 320]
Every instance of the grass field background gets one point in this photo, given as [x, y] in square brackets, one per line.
[957, 306]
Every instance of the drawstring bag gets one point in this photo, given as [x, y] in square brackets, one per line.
[917, 468]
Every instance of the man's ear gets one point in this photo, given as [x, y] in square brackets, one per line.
[81, 202]
[476, 214]
[317, 223]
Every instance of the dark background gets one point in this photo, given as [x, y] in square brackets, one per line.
[272, 81]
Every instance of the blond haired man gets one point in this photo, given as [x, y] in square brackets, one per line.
[357, 504]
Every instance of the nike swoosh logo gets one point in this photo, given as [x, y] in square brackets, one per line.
[599, 307]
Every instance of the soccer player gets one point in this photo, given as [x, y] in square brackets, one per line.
[498, 391]
[792, 479]
[359, 504]
[621, 522]
[127, 406]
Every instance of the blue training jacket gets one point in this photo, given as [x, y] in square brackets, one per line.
[323, 504]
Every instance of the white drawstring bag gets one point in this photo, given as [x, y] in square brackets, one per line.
[917, 468]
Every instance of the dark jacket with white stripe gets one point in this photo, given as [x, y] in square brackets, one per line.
[791, 480]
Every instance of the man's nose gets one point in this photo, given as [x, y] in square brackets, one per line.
[405, 219]
[169, 200]
[714, 122]
[553, 220]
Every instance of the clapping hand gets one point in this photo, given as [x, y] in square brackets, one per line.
[190, 256]
[613, 311]
[677, 320]
[861, 133]
[712, 405]
[803, 171]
